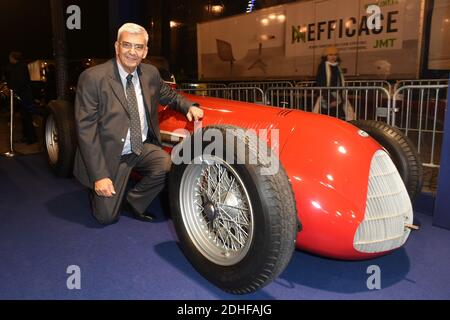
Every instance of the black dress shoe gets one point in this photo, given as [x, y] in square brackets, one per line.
[148, 217]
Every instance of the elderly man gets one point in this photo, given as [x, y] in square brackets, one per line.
[118, 130]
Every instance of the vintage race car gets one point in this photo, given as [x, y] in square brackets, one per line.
[251, 183]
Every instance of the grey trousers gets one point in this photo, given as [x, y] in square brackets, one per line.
[153, 164]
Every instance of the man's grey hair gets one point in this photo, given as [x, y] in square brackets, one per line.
[134, 29]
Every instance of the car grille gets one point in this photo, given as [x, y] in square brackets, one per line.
[388, 209]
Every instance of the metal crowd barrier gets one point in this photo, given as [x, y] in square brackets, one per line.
[245, 94]
[242, 87]
[368, 102]
[351, 83]
[420, 82]
[202, 85]
[420, 113]
[369, 83]
[306, 83]
[263, 85]
[199, 88]
[417, 107]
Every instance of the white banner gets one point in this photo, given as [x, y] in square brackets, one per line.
[345, 24]
[378, 39]
[439, 53]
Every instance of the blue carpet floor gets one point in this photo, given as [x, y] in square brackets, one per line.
[46, 226]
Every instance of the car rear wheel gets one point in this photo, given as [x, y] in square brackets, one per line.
[236, 225]
[59, 137]
[401, 150]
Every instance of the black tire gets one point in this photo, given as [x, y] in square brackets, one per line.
[59, 137]
[272, 216]
[401, 150]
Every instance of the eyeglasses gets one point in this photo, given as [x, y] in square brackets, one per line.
[129, 45]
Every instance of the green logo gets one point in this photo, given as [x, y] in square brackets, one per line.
[298, 35]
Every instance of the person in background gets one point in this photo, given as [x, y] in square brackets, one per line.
[18, 79]
[329, 74]
[50, 84]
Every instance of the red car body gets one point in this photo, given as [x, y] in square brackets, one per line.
[327, 161]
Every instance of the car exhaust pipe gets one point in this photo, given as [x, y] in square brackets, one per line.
[412, 226]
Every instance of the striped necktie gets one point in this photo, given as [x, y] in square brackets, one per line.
[135, 121]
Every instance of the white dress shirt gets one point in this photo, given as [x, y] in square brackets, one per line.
[140, 100]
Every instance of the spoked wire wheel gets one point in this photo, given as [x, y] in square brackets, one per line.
[236, 225]
[217, 211]
[59, 137]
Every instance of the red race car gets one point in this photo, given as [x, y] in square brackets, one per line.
[250, 183]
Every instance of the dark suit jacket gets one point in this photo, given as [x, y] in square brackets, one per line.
[18, 79]
[102, 119]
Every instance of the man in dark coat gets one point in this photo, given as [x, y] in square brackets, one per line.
[18, 79]
[118, 129]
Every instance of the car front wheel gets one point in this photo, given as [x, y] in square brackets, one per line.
[59, 137]
[236, 225]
